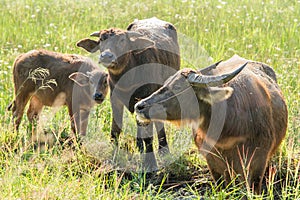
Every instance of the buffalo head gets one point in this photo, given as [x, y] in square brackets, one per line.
[184, 95]
[95, 84]
[115, 46]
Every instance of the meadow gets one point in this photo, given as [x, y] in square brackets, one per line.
[266, 31]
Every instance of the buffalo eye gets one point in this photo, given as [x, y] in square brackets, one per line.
[103, 37]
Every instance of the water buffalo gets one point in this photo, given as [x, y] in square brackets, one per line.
[138, 60]
[53, 79]
[238, 119]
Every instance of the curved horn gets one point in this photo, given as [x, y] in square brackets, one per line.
[203, 80]
[95, 34]
[209, 68]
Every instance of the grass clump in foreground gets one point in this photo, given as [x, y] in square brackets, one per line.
[214, 30]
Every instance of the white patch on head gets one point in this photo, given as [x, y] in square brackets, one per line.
[141, 118]
[192, 123]
[218, 94]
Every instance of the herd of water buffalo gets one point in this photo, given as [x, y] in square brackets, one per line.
[235, 107]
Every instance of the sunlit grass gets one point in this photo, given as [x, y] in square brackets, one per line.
[266, 31]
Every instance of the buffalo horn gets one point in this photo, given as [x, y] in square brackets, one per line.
[95, 34]
[203, 80]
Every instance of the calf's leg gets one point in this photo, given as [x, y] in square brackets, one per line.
[75, 117]
[84, 119]
[20, 103]
[33, 112]
[71, 115]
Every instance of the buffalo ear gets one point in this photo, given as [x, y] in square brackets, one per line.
[139, 41]
[88, 44]
[217, 94]
[80, 78]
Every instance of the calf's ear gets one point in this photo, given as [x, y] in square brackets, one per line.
[89, 45]
[217, 94]
[80, 78]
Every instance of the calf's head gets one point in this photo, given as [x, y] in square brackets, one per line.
[184, 95]
[115, 46]
[94, 84]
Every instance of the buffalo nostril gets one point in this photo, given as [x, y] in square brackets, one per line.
[98, 96]
[102, 56]
[107, 58]
[106, 54]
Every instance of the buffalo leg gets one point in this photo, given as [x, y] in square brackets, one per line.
[217, 165]
[257, 169]
[33, 112]
[84, 119]
[139, 137]
[74, 113]
[255, 161]
[217, 177]
[20, 103]
[145, 133]
[72, 117]
[77, 119]
[117, 119]
[162, 139]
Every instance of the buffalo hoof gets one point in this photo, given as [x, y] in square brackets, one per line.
[149, 162]
[163, 151]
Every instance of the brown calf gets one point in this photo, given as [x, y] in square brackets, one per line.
[53, 79]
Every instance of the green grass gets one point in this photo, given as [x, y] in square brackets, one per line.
[267, 32]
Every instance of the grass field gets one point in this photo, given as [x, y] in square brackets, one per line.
[267, 32]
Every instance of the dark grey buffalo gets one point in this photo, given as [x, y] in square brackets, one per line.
[47, 78]
[138, 60]
[238, 115]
